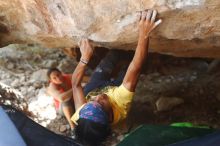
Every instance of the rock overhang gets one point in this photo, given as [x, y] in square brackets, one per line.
[190, 28]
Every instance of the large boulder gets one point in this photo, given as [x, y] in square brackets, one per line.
[189, 28]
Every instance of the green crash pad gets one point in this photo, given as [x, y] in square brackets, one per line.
[152, 135]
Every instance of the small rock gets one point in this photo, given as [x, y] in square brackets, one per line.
[63, 128]
[113, 134]
[15, 83]
[37, 92]
[37, 57]
[23, 90]
[192, 78]
[165, 103]
[40, 75]
[120, 137]
[213, 66]
[66, 66]
[167, 80]
[10, 65]
[67, 127]
[50, 63]
[22, 79]
[59, 117]
[37, 85]
[27, 84]
[180, 79]
[7, 76]
[30, 92]
[200, 65]
[31, 89]
[7, 81]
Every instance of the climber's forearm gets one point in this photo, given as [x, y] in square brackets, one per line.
[134, 69]
[140, 53]
[78, 95]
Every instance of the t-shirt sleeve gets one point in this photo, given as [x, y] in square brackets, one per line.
[122, 96]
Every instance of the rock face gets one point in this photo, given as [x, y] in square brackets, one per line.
[189, 28]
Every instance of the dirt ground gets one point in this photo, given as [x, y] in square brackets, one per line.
[191, 80]
[188, 79]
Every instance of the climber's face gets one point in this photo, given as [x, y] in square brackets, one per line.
[56, 77]
[103, 100]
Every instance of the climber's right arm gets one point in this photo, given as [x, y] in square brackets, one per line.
[146, 25]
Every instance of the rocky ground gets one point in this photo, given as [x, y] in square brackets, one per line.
[170, 90]
[24, 69]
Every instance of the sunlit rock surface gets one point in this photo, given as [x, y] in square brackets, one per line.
[189, 28]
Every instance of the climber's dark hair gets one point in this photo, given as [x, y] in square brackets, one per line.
[52, 70]
[90, 133]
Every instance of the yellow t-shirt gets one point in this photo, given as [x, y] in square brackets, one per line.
[120, 99]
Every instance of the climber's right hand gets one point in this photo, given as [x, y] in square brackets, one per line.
[147, 22]
[86, 49]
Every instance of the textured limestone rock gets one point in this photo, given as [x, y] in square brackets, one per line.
[12, 97]
[190, 27]
[40, 75]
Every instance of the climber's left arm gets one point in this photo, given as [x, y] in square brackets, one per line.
[86, 50]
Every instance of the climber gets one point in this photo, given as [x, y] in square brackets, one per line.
[94, 117]
[60, 88]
